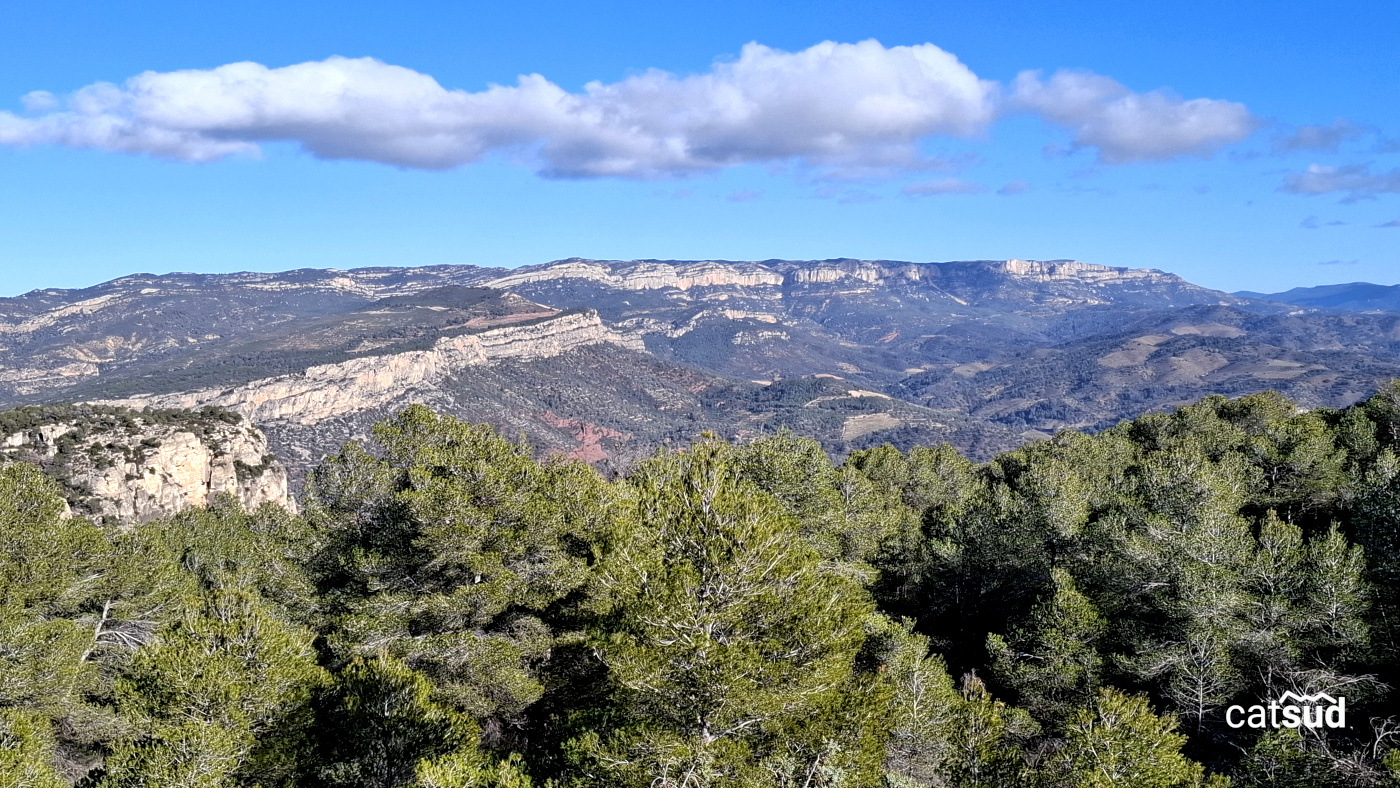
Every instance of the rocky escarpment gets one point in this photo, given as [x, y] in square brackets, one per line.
[874, 320]
[333, 390]
[645, 274]
[121, 466]
[685, 275]
[968, 282]
[147, 334]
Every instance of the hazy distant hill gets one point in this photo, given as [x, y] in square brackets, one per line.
[1166, 358]
[1352, 297]
[607, 359]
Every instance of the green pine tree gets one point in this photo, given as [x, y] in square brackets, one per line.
[1118, 741]
[1052, 661]
[451, 551]
[731, 643]
[218, 699]
[27, 751]
[377, 726]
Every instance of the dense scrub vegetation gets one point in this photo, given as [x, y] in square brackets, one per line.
[106, 417]
[448, 612]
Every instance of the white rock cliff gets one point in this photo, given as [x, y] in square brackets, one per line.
[148, 469]
[331, 390]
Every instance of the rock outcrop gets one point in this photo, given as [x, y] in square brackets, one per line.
[333, 390]
[123, 466]
[969, 280]
[645, 275]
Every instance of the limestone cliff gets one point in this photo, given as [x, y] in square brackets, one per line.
[646, 275]
[333, 390]
[972, 276]
[122, 466]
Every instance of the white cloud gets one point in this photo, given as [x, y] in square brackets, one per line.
[1014, 187]
[1357, 180]
[39, 101]
[857, 105]
[854, 111]
[1125, 126]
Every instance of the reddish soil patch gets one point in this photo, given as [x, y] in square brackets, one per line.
[588, 435]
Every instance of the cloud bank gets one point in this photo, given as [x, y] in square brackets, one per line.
[1125, 126]
[1356, 180]
[853, 107]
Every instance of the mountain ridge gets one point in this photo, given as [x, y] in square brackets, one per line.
[1348, 297]
[605, 360]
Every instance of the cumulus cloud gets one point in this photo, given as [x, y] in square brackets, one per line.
[1392, 223]
[856, 111]
[832, 104]
[1014, 187]
[1125, 126]
[1326, 138]
[1357, 180]
[942, 186]
[39, 101]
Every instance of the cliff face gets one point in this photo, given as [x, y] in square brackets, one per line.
[972, 280]
[646, 275]
[333, 390]
[122, 466]
[875, 320]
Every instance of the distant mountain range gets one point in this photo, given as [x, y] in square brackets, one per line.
[605, 360]
[1353, 297]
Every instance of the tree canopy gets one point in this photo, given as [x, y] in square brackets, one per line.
[451, 612]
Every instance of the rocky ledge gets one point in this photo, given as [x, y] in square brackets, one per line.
[331, 390]
[120, 466]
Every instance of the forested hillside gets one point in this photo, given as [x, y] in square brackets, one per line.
[447, 611]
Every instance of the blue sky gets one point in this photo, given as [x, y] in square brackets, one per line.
[1243, 145]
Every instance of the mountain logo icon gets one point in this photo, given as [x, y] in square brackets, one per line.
[1307, 700]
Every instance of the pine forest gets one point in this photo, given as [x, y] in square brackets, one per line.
[447, 611]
